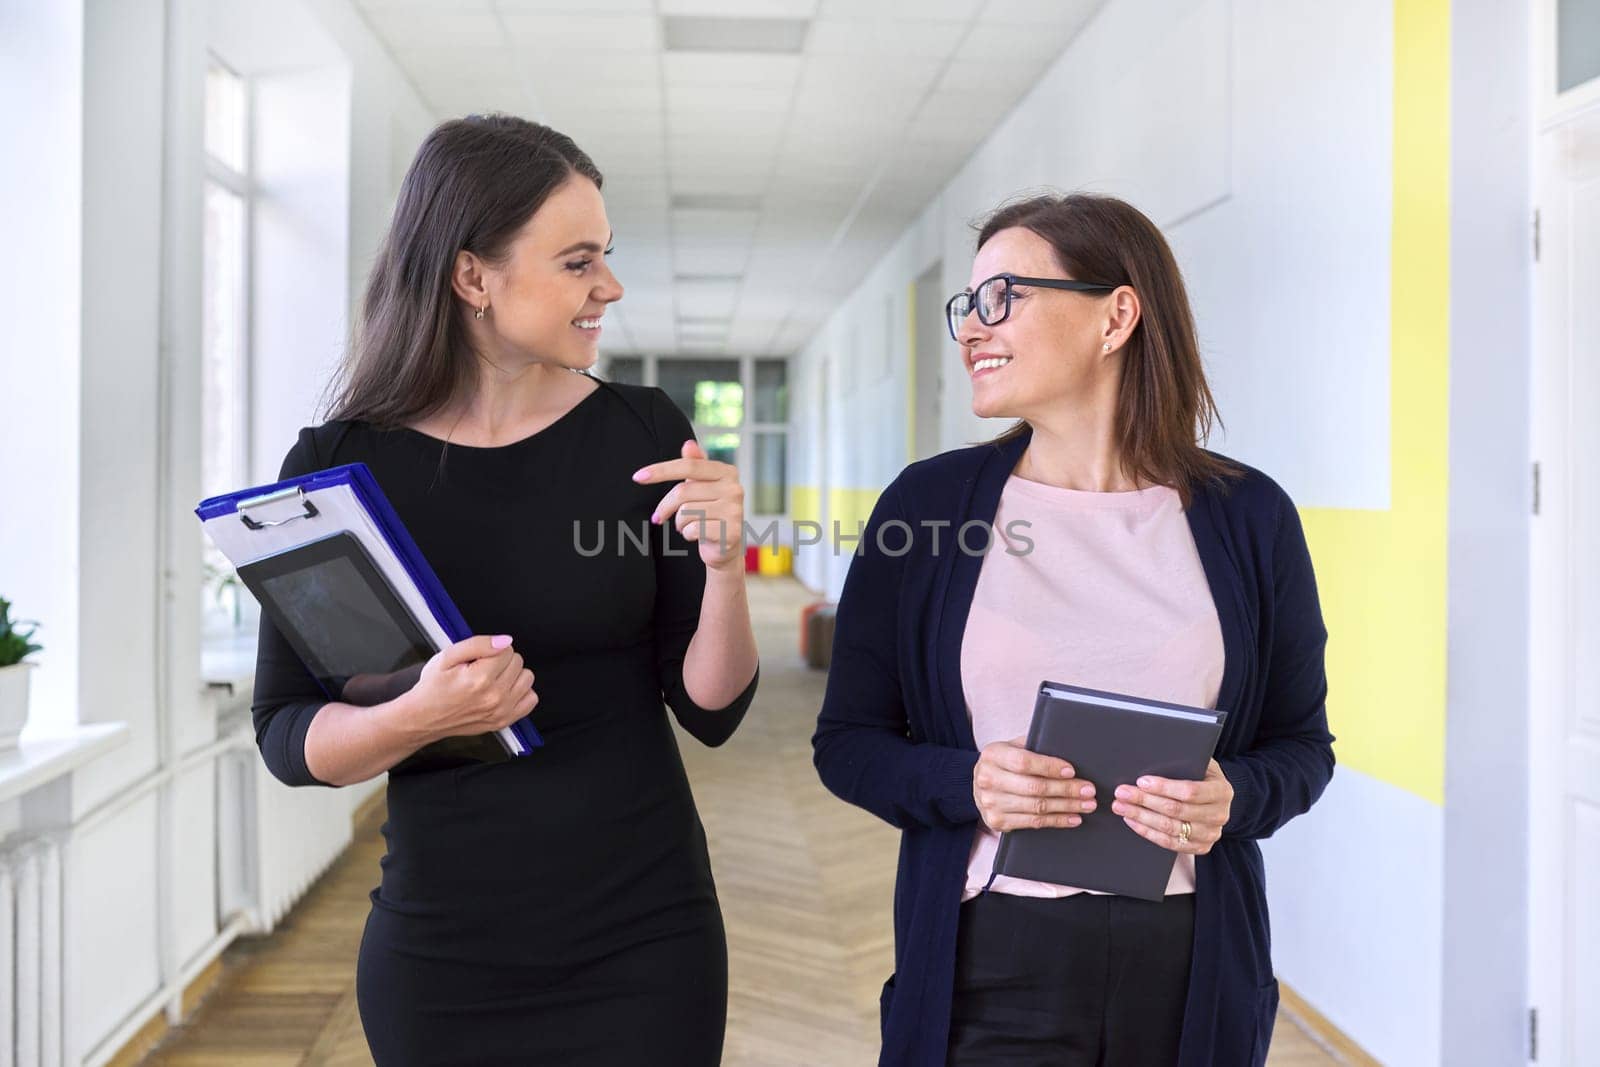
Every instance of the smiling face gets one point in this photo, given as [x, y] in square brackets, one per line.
[1048, 354]
[547, 296]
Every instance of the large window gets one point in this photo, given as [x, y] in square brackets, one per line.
[710, 392]
[740, 411]
[769, 438]
[225, 315]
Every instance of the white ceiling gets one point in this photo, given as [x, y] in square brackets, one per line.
[748, 191]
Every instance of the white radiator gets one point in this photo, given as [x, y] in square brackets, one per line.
[285, 838]
[30, 954]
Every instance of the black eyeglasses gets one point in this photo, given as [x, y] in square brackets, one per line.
[992, 299]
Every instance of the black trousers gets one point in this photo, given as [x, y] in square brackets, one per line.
[1079, 981]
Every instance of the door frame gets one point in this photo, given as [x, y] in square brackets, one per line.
[1549, 635]
[1552, 639]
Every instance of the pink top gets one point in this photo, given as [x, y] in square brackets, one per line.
[1110, 595]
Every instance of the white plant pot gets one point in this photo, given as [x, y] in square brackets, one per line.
[13, 703]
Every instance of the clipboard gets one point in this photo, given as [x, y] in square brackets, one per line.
[253, 524]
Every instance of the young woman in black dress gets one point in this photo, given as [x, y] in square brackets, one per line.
[557, 908]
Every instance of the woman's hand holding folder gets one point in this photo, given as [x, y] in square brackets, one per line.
[475, 686]
[1016, 789]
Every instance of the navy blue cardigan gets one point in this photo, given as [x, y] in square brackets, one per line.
[894, 736]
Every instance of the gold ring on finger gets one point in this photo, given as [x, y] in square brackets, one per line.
[1184, 830]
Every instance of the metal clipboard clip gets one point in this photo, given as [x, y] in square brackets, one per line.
[310, 511]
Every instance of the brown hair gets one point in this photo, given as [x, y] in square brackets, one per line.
[1164, 406]
[473, 184]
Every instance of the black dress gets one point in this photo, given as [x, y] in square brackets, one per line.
[557, 908]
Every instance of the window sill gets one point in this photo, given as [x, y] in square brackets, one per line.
[39, 760]
[228, 661]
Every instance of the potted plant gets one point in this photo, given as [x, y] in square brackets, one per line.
[16, 645]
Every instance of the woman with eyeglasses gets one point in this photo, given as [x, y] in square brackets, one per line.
[1118, 555]
[558, 907]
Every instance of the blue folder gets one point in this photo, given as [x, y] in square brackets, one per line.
[371, 499]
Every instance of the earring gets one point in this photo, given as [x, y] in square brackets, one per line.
[1106, 346]
[478, 313]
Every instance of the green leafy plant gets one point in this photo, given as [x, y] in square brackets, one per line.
[15, 637]
[226, 588]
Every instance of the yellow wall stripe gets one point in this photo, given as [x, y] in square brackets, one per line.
[1382, 574]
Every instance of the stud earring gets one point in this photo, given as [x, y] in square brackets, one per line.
[478, 313]
[1105, 347]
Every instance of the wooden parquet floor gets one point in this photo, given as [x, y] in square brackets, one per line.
[805, 883]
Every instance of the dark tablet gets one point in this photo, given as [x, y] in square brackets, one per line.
[342, 618]
[354, 634]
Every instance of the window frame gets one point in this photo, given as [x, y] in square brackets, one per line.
[1553, 105]
[242, 184]
[747, 428]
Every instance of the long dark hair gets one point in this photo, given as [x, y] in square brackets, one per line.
[1164, 406]
[473, 184]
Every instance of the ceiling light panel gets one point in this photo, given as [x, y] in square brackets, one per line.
[720, 225]
[714, 202]
[696, 33]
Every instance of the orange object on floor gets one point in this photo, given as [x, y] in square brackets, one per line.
[805, 625]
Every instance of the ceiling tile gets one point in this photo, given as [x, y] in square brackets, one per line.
[425, 29]
[555, 70]
[423, 5]
[573, 7]
[905, 74]
[802, 137]
[945, 10]
[705, 298]
[709, 258]
[997, 42]
[585, 33]
[960, 118]
[1012, 78]
[729, 100]
[907, 38]
[1074, 13]
[802, 9]
[711, 182]
[713, 70]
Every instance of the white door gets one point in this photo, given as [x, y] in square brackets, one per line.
[1564, 756]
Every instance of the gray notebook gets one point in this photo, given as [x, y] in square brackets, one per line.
[1110, 739]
